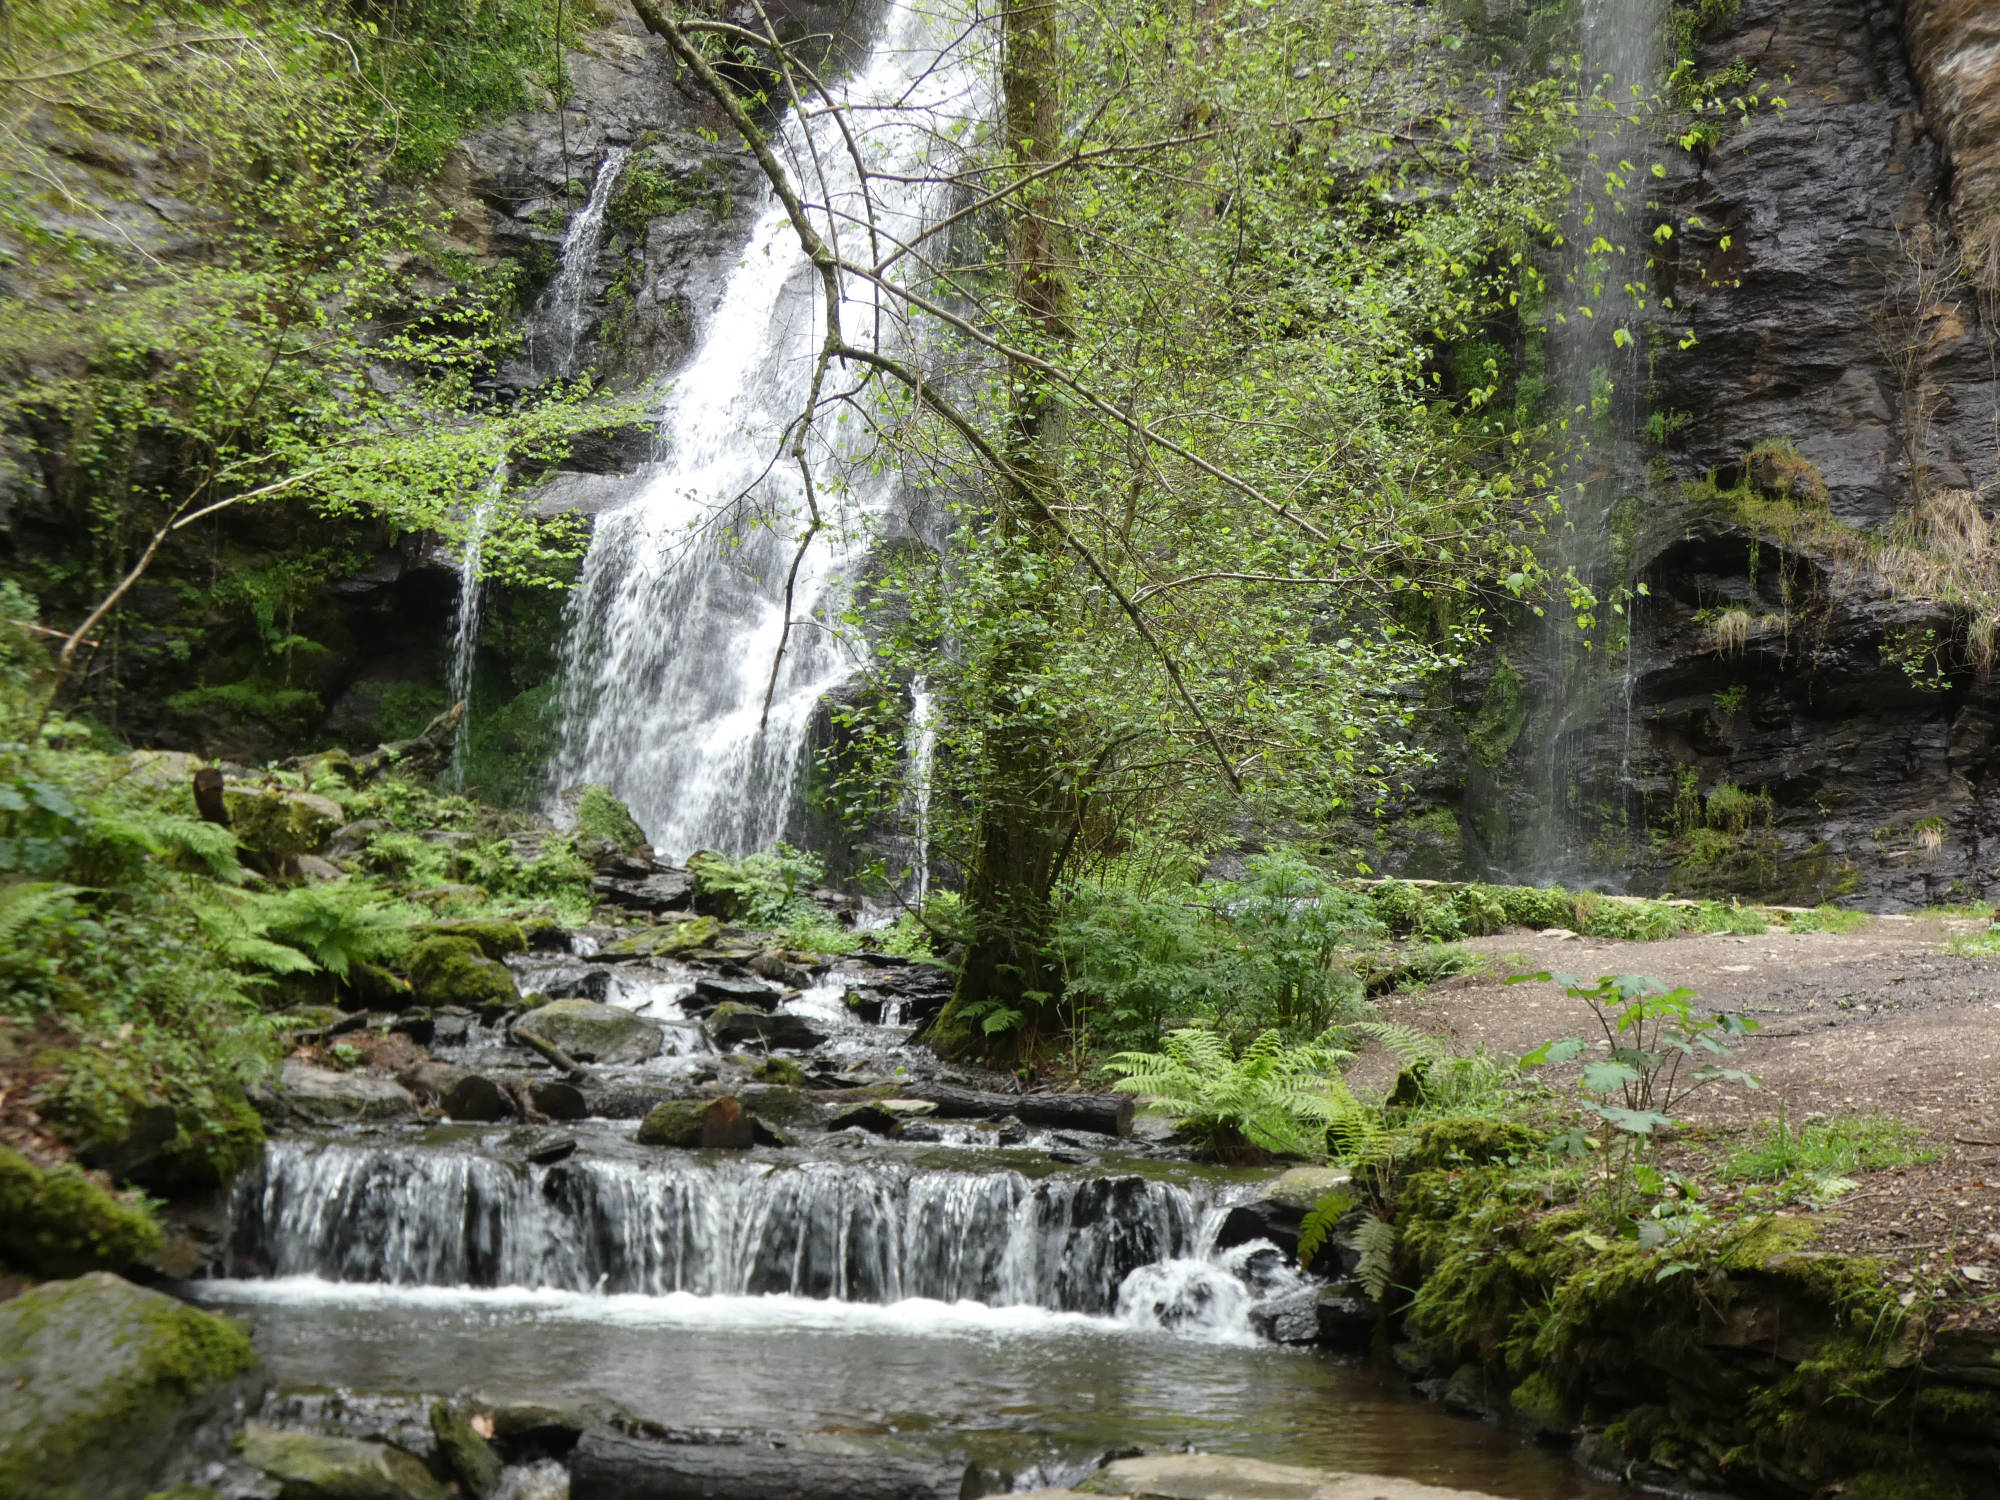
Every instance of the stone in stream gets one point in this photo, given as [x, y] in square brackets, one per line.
[711, 991]
[478, 1099]
[1209, 1476]
[881, 1116]
[612, 1466]
[496, 937]
[466, 1449]
[321, 1096]
[558, 1100]
[734, 1025]
[590, 1032]
[706, 1124]
[455, 971]
[111, 1392]
[664, 941]
[308, 1466]
[1280, 1208]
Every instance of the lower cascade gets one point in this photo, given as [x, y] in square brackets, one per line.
[852, 1232]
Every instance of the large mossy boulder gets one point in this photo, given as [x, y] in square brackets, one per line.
[279, 823]
[110, 1392]
[455, 971]
[308, 1466]
[58, 1221]
[590, 1032]
[597, 816]
[496, 937]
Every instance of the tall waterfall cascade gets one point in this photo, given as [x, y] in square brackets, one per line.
[669, 695]
[468, 617]
[1596, 350]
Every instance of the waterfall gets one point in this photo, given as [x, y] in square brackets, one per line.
[560, 313]
[1596, 349]
[854, 1232]
[668, 695]
[920, 755]
[466, 620]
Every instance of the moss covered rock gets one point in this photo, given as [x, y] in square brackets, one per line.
[311, 1467]
[454, 971]
[468, 1453]
[665, 941]
[57, 1221]
[600, 816]
[496, 937]
[109, 1392]
[279, 823]
[590, 1032]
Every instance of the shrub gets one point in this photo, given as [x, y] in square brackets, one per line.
[1272, 1099]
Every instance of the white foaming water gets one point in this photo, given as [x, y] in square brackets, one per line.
[688, 1238]
[681, 608]
[558, 320]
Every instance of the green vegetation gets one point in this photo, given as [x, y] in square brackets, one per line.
[57, 1222]
[1824, 1148]
[1273, 1098]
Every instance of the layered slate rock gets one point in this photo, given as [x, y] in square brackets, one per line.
[321, 1096]
[111, 1392]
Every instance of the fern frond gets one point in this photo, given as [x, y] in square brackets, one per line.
[1410, 1045]
[1374, 1240]
[24, 903]
[1320, 1223]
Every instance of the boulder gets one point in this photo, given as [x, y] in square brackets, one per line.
[429, 1082]
[279, 823]
[496, 938]
[881, 1116]
[1280, 1208]
[1207, 1476]
[711, 991]
[688, 1124]
[316, 871]
[308, 1466]
[477, 1098]
[1347, 1318]
[419, 1025]
[321, 1096]
[465, 1448]
[58, 1221]
[664, 941]
[351, 839]
[455, 971]
[590, 1032]
[734, 1025]
[668, 890]
[558, 1100]
[112, 1392]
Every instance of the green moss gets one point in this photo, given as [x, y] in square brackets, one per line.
[453, 971]
[495, 938]
[1537, 1400]
[1469, 1140]
[600, 815]
[58, 1222]
[119, 1367]
[1503, 714]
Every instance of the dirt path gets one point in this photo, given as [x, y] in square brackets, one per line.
[1883, 1021]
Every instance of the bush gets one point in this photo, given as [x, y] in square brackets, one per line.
[759, 890]
[1272, 1099]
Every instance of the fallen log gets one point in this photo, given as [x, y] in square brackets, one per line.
[612, 1466]
[553, 1055]
[1107, 1114]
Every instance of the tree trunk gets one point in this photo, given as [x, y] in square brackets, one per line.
[1029, 806]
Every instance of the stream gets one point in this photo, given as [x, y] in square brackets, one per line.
[1023, 1299]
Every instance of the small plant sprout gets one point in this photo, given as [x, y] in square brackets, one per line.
[1928, 837]
[1660, 1051]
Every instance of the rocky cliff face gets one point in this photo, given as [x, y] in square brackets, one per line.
[1805, 709]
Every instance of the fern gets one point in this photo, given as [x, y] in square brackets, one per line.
[338, 926]
[1374, 1240]
[24, 903]
[116, 838]
[1274, 1098]
[1413, 1048]
[1320, 1223]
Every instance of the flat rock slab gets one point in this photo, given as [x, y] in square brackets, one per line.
[1207, 1476]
